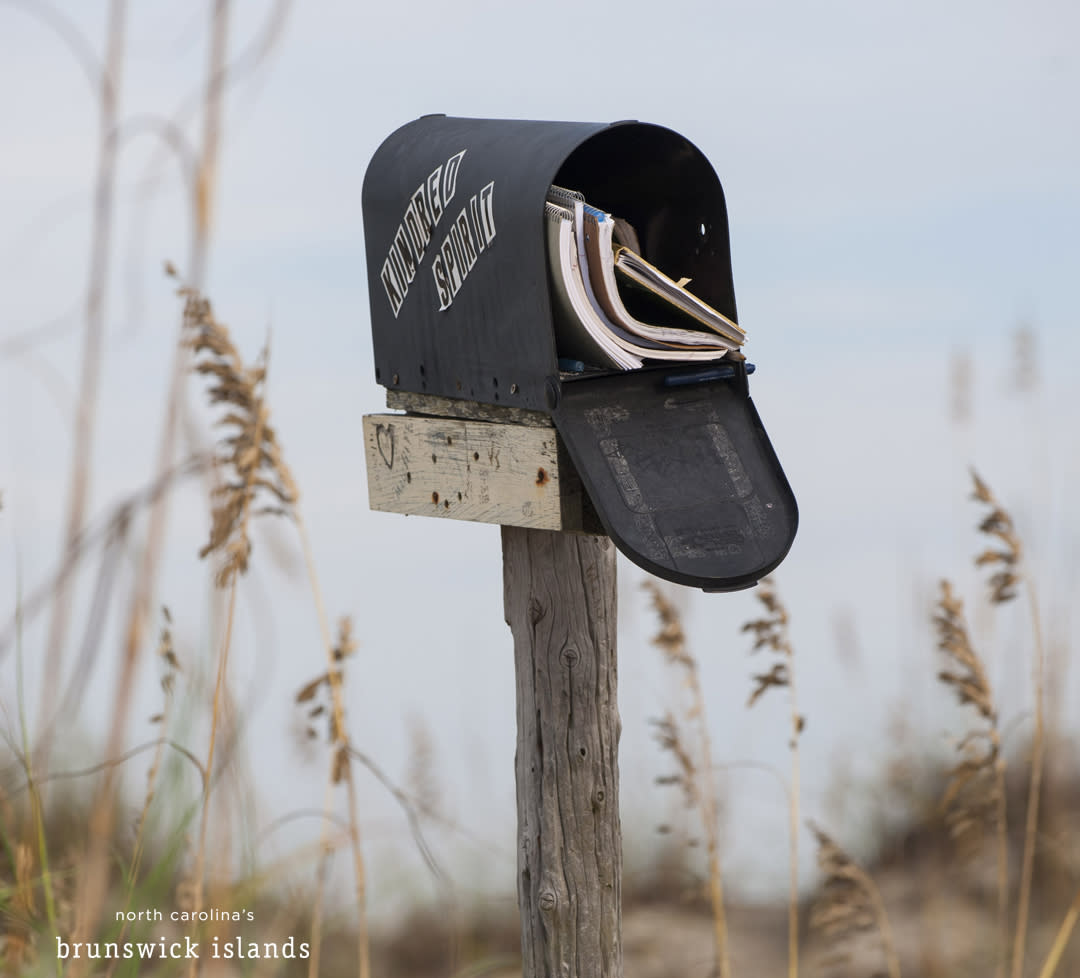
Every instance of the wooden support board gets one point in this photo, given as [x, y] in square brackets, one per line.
[448, 407]
[515, 474]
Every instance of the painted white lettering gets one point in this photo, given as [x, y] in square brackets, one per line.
[399, 271]
[468, 250]
[389, 283]
[450, 178]
[423, 213]
[416, 235]
[434, 201]
[441, 283]
[467, 237]
[478, 237]
[487, 211]
[405, 253]
[453, 271]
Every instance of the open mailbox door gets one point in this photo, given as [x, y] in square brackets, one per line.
[674, 458]
[681, 473]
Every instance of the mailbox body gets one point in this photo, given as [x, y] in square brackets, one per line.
[675, 459]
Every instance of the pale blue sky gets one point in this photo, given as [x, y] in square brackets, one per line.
[903, 183]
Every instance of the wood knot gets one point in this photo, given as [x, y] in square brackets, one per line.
[542, 477]
[569, 657]
[549, 900]
[536, 611]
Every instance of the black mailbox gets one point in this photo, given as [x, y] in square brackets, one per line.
[674, 457]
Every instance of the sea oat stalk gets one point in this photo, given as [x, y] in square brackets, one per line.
[771, 632]
[341, 770]
[850, 903]
[696, 779]
[1061, 939]
[110, 81]
[93, 880]
[255, 480]
[975, 795]
[1006, 555]
[171, 668]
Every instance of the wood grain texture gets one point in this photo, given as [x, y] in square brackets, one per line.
[560, 603]
[484, 471]
[451, 407]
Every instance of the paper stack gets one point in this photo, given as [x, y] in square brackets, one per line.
[613, 308]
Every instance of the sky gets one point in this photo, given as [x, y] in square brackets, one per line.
[903, 188]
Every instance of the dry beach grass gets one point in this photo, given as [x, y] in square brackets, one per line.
[846, 928]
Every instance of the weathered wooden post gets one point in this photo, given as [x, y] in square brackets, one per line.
[560, 605]
[670, 463]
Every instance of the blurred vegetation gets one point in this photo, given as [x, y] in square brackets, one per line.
[976, 871]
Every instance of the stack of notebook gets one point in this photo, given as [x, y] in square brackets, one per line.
[615, 309]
